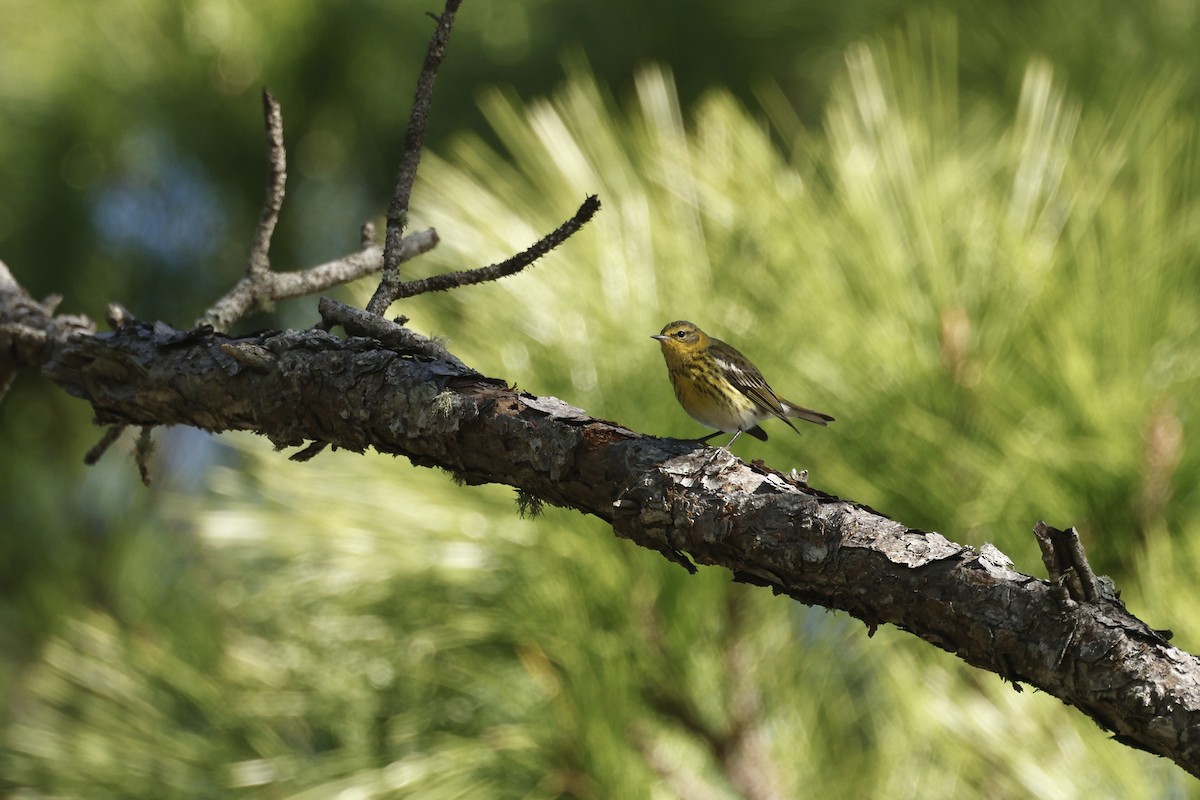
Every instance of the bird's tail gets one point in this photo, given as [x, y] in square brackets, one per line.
[800, 412]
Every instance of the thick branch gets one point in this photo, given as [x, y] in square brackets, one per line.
[29, 330]
[664, 494]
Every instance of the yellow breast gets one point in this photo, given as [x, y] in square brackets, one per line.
[711, 401]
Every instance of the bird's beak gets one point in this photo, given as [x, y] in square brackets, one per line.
[660, 337]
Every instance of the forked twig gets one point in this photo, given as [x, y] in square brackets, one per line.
[397, 216]
[1066, 563]
[262, 286]
[253, 292]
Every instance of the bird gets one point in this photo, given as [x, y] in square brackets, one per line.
[721, 388]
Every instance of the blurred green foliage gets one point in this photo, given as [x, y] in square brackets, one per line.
[970, 231]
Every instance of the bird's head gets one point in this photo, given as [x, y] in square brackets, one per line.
[681, 337]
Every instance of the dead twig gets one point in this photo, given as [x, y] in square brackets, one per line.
[1066, 563]
[256, 291]
[452, 280]
[260, 262]
[262, 286]
[397, 217]
[358, 322]
[106, 441]
[142, 452]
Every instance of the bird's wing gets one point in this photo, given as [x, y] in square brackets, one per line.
[750, 382]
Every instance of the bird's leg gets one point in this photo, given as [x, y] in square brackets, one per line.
[726, 446]
[723, 448]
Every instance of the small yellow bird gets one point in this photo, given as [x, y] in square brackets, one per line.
[721, 388]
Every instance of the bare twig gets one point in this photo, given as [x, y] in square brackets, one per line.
[261, 286]
[309, 453]
[1066, 563]
[397, 217]
[276, 182]
[362, 263]
[255, 291]
[106, 441]
[440, 283]
[142, 452]
[358, 322]
[117, 316]
[8, 284]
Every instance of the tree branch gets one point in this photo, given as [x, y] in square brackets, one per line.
[29, 330]
[260, 261]
[397, 216]
[398, 396]
[255, 291]
[261, 286]
[106, 441]
[511, 266]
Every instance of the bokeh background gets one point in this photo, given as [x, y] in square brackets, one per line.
[969, 230]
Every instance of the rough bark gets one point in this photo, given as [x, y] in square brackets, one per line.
[400, 393]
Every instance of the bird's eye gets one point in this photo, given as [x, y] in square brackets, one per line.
[680, 334]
